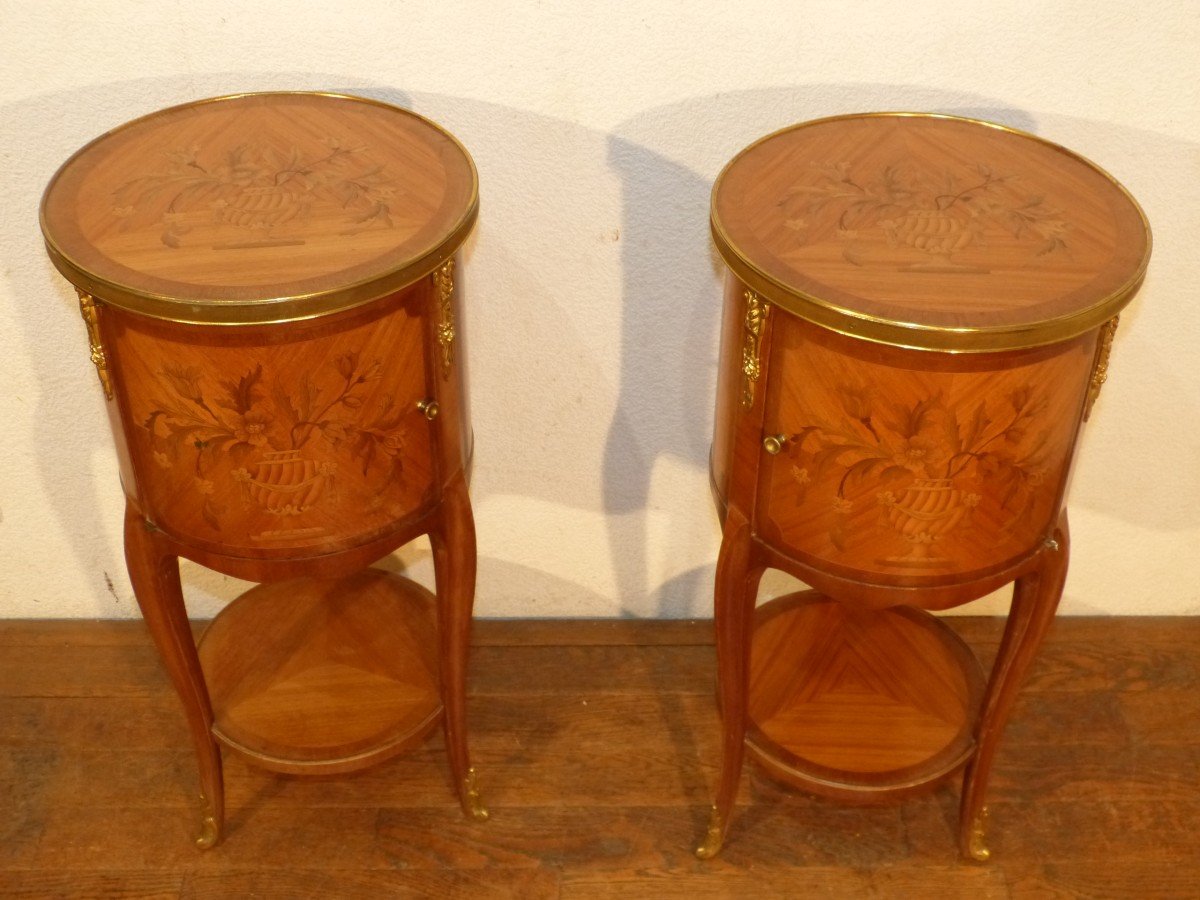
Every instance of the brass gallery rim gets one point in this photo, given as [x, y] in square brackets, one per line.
[375, 273]
[762, 267]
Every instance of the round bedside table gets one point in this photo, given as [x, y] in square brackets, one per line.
[917, 320]
[271, 293]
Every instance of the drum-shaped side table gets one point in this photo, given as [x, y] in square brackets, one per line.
[917, 320]
[272, 294]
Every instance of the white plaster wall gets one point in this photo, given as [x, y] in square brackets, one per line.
[598, 129]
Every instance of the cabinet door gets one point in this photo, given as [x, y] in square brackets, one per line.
[279, 438]
[914, 467]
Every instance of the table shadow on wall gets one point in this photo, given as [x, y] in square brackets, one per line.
[69, 421]
[667, 159]
[668, 310]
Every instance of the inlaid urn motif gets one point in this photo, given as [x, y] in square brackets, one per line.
[934, 212]
[929, 464]
[279, 444]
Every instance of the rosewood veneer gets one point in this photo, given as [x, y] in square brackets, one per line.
[917, 321]
[271, 286]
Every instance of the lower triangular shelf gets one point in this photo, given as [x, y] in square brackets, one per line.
[853, 702]
[324, 674]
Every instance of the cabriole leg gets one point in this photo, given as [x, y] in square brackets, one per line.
[454, 564]
[154, 573]
[1035, 600]
[735, 593]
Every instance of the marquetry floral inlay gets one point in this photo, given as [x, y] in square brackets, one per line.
[927, 466]
[257, 193]
[934, 214]
[240, 432]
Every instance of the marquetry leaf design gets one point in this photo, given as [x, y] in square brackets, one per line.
[265, 431]
[916, 458]
[936, 214]
[254, 192]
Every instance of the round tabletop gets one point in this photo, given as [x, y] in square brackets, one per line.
[260, 208]
[929, 231]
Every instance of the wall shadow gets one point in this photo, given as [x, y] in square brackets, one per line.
[73, 459]
[668, 158]
[531, 344]
[593, 302]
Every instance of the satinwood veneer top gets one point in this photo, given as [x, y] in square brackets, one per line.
[260, 207]
[930, 231]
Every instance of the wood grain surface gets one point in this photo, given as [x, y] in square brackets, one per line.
[259, 198]
[280, 440]
[864, 704]
[917, 318]
[910, 467]
[268, 284]
[597, 744]
[933, 221]
[324, 675]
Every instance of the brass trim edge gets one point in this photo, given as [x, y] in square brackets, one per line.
[443, 278]
[260, 312]
[90, 311]
[913, 335]
[757, 311]
[263, 310]
[1100, 366]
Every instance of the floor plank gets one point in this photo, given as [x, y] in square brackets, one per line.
[322, 884]
[129, 885]
[597, 749]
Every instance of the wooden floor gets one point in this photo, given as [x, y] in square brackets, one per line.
[596, 745]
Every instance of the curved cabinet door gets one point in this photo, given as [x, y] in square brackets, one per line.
[903, 467]
[265, 440]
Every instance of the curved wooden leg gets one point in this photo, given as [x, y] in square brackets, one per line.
[154, 573]
[453, 545]
[733, 608]
[1035, 601]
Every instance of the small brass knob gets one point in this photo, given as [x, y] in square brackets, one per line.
[430, 408]
[773, 443]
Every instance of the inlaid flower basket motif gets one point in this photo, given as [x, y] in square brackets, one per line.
[926, 466]
[257, 194]
[934, 215]
[279, 444]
